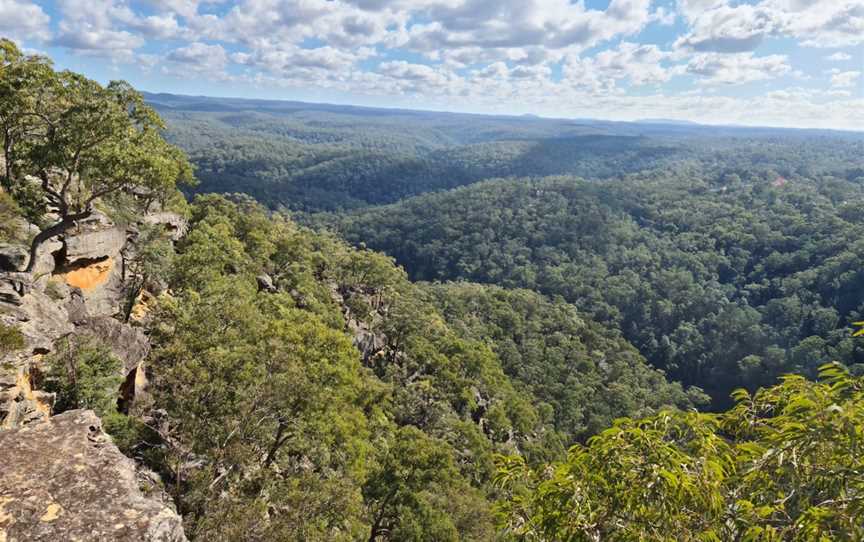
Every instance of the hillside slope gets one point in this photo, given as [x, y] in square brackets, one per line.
[720, 281]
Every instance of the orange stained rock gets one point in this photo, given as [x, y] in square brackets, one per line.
[90, 276]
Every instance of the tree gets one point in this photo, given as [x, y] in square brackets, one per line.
[400, 493]
[81, 141]
[785, 463]
[23, 82]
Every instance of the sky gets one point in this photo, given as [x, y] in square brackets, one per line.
[795, 63]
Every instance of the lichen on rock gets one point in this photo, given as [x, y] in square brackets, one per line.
[63, 479]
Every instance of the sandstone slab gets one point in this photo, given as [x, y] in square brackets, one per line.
[63, 479]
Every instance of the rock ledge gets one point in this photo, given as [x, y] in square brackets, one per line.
[63, 479]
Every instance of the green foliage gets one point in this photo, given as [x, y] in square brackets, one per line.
[272, 401]
[9, 212]
[718, 288]
[281, 428]
[85, 143]
[11, 339]
[783, 464]
[587, 375]
[315, 157]
[84, 374]
[150, 263]
[416, 493]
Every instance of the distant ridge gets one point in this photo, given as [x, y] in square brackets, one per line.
[676, 122]
[165, 102]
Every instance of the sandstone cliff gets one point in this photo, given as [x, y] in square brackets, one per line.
[61, 477]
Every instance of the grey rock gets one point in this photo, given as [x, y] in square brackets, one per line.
[76, 307]
[9, 295]
[176, 225]
[93, 241]
[265, 283]
[41, 320]
[63, 479]
[128, 343]
[12, 257]
[45, 261]
[20, 403]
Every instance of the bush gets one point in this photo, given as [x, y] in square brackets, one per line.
[84, 374]
[10, 339]
[9, 210]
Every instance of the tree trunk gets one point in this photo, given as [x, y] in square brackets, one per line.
[278, 441]
[67, 222]
[6, 180]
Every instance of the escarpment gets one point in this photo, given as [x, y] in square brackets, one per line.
[62, 477]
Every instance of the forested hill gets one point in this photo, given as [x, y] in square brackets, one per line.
[315, 157]
[722, 282]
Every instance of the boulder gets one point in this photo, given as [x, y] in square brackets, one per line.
[99, 281]
[175, 224]
[128, 343]
[45, 261]
[12, 257]
[265, 283]
[9, 295]
[39, 318]
[94, 244]
[63, 479]
[20, 403]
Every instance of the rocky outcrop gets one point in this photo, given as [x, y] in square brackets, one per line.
[20, 402]
[12, 257]
[174, 223]
[128, 343]
[94, 239]
[265, 284]
[41, 319]
[63, 479]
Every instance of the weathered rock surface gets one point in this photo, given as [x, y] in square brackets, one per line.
[174, 223]
[265, 284]
[128, 343]
[20, 402]
[63, 479]
[12, 257]
[93, 239]
[39, 318]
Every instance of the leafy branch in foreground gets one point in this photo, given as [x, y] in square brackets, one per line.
[785, 463]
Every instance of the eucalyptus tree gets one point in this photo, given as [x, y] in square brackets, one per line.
[79, 142]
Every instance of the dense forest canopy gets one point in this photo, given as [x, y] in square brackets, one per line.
[720, 281]
[637, 353]
[376, 414]
[314, 157]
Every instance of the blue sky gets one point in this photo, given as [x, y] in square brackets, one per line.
[759, 62]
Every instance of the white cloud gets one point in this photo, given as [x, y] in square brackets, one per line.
[503, 25]
[89, 27]
[721, 26]
[845, 79]
[728, 69]
[641, 64]
[823, 23]
[543, 56]
[727, 29]
[23, 20]
[197, 58]
[291, 60]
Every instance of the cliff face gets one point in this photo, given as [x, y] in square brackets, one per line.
[61, 477]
